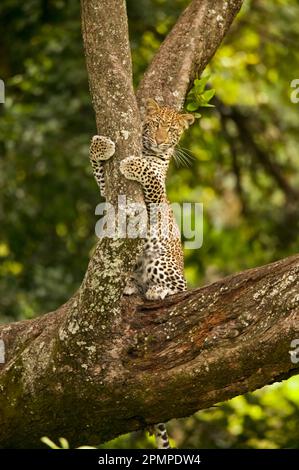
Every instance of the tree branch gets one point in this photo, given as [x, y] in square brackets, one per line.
[187, 50]
[198, 347]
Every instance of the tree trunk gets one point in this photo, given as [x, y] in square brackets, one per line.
[101, 364]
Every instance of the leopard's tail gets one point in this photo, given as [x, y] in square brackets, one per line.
[161, 436]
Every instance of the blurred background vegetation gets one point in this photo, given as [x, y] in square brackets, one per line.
[245, 171]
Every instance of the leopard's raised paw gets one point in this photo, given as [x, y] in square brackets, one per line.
[101, 147]
[127, 168]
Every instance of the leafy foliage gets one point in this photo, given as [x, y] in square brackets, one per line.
[198, 97]
[245, 172]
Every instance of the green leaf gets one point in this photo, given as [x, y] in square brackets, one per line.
[197, 82]
[49, 443]
[86, 447]
[200, 84]
[192, 106]
[208, 94]
[207, 105]
[64, 443]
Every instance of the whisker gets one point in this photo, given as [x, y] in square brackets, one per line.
[178, 159]
[187, 152]
[184, 148]
[182, 158]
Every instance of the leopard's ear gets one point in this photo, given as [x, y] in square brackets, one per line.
[152, 107]
[187, 119]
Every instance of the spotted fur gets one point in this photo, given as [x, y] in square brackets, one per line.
[101, 149]
[160, 269]
[160, 433]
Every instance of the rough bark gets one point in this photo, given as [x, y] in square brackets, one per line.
[198, 347]
[101, 364]
[109, 67]
[187, 50]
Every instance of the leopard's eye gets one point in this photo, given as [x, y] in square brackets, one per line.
[154, 125]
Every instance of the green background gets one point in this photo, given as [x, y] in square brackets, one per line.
[245, 171]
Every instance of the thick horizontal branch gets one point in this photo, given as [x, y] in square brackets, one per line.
[162, 360]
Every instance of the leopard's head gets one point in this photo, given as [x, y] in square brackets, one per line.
[162, 128]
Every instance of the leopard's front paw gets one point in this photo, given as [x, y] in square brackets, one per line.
[101, 147]
[129, 168]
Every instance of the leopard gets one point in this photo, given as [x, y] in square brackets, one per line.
[159, 271]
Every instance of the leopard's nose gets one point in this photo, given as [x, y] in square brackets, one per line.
[160, 138]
